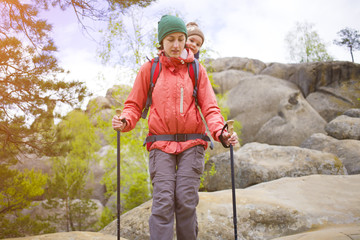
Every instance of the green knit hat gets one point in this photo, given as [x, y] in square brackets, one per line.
[170, 24]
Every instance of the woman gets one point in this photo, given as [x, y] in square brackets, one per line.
[175, 165]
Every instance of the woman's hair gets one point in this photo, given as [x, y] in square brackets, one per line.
[161, 46]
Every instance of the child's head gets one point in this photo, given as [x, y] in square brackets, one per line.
[172, 35]
[195, 37]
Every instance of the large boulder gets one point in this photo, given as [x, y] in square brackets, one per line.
[76, 235]
[264, 99]
[279, 208]
[336, 232]
[295, 121]
[311, 76]
[226, 80]
[256, 163]
[330, 87]
[335, 99]
[244, 64]
[344, 127]
[348, 150]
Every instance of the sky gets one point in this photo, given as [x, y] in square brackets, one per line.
[254, 29]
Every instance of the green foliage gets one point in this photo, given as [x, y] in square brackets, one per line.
[107, 216]
[305, 45]
[18, 190]
[67, 186]
[19, 225]
[30, 87]
[208, 173]
[349, 38]
[128, 40]
[136, 188]
[134, 184]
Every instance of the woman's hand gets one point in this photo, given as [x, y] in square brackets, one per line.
[230, 139]
[118, 123]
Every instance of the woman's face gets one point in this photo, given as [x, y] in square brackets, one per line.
[194, 42]
[174, 44]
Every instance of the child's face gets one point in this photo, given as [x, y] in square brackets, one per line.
[194, 42]
[174, 44]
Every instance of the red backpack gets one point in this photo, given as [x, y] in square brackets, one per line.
[193, 69]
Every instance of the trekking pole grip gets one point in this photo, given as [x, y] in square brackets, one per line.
[118, 112]
[230, 124]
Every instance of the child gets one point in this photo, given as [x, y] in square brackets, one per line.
[195, 38]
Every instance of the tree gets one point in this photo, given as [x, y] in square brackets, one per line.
[18, 191]
[305, 45]
[135, 185]
[30, 84]
[349, 38]
[128, 40]
[67, 185]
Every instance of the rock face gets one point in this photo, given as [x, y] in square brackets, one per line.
[351, 232]
[274, 209]
[344, 127]
[348, 150]
[269, 107]
[70, 236]
[256, 163]
[329, 89]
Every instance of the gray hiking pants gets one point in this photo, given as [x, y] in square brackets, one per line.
[176, 180]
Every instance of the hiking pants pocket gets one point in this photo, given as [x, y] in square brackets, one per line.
[198, 161]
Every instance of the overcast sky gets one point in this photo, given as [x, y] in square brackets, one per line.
[233, 28]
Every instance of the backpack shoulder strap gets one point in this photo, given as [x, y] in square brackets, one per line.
[154, 74]
[193, 69]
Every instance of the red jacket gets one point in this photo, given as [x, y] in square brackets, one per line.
[173, 108]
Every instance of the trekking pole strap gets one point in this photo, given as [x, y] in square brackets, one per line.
[178, 138]
[222, 140]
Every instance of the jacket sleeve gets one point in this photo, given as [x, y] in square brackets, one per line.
[136, 100]
[208, 105]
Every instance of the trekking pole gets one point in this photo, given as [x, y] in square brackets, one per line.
[231, 131]
[118, 112]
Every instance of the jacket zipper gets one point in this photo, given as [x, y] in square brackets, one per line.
[181, 100]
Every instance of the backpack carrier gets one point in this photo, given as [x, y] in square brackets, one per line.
[193, 69]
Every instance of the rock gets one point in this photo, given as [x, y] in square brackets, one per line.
[332, 101]
[348, 150]
[262, 99]
[32, 161]
[280, 70]
[336, 232]
[327, 105]
[353, 112]
[39, 210]
[311, 76]
[296, 120]
[70, 236]
[255, 163]
[274, 209]
[344, 127]
[226, 80]
[96, 104]
[245, 64]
